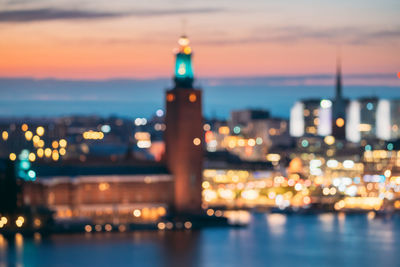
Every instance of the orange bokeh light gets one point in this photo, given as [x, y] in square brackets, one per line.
[340, 122]
[170, 97]
[192, 98]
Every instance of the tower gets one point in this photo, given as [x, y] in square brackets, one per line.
[339, 107]
[184, 134]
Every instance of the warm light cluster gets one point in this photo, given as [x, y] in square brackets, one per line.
[93, 135]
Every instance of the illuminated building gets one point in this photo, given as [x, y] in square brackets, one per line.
[101, 191]
[395, 119]
[311, 117]
[297, 120]
[353, 122]
[251, 134]
[384, 120]
[184, 134]
[368, 118]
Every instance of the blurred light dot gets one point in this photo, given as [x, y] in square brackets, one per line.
[192, 97]
[4, 135]
[340, 122]
[28, 135]
[161, 226]
[63, 143]
[188, 225]
[32, 157]
[13, 156]
[206, 127]
[160, 113]
[88, 228]
[32, 174]
[196, 141]
[325, 103]
[137, 213]
[304, 143]
[24, 127]
[108, 227]
[62, 151]
[105, 128]
[40, 152]
[54, 144]
[40, 130]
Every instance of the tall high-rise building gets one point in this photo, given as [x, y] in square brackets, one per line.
[184, 133]
[368, 118]
[311, 117]
[395, 119]
[339, 105]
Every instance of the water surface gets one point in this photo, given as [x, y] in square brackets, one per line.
[269, 240]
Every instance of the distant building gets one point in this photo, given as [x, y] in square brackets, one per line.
[367, 118]
[339, 106]
[311, 117]
[243, 117]
[395, 119]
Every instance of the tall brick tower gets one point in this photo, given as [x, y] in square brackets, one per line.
[184, 134]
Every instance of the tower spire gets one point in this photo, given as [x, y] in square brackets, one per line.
[338, 78]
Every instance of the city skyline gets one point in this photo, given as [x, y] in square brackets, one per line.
[141, 98]
[67, 40]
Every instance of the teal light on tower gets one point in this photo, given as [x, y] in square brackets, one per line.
[183, 65]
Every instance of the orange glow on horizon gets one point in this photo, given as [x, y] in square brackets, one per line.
[104, 61]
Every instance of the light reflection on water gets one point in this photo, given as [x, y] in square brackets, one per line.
[239, 217]
[269, 240]
[276, 223]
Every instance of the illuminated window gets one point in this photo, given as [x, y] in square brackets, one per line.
[104, 186]
[192, 98]
[170, 97]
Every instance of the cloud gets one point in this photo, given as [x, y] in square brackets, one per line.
[290, 34]
[45, 14]
[52, 14]
[371, 79]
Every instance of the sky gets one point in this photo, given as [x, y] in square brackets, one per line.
[103, 57]
[71, 39]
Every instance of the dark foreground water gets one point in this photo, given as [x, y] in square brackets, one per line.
[269, 240]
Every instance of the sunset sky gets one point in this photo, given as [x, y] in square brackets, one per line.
[71, 39]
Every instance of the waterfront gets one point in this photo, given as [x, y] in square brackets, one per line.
[269, 240]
